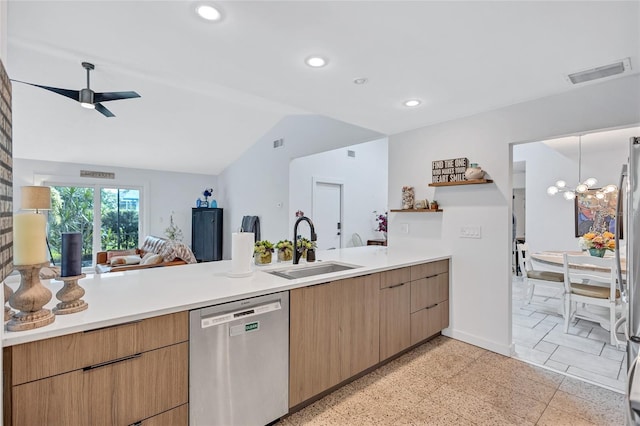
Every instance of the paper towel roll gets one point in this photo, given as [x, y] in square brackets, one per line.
[241, 252]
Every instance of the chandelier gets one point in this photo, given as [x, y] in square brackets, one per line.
[569, 193]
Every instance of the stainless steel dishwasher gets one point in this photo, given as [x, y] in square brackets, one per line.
[239, 362]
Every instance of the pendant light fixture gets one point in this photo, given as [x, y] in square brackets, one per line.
[570, 193]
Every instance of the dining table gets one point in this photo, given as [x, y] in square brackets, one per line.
[553, 261]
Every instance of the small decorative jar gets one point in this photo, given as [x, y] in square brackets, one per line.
[285, 255]
[311, 255]
[263, 258]
[474, 172]
[408, 197]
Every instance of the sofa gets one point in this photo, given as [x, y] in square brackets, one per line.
[154, 252]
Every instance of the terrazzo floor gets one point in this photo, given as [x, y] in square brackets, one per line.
[448, 382]
[585, 352]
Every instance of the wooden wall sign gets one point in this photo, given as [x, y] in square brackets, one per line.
[449, 170]
[6, 177]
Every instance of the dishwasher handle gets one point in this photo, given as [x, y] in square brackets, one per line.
[219, 319]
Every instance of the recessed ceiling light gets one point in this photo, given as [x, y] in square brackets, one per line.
[360, 80]
[208, 12]
[412, 102]
[316, 61]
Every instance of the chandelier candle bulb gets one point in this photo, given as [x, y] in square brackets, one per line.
[71, 254]
[29, 239]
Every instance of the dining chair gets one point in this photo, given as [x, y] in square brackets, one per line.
[533, 278]
[586, 289]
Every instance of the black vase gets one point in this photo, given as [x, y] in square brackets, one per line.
[311, 255]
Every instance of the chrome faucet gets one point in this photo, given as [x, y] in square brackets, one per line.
[297, 253]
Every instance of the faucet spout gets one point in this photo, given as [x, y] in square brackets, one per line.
[297, 253]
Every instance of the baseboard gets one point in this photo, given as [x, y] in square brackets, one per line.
[506, 350]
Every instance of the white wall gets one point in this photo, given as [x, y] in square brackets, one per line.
[258, 183]
[550, 223]
[166, 192]
[481, 268]
[364, 180]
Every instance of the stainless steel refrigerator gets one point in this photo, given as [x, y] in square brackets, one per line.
[630, 194]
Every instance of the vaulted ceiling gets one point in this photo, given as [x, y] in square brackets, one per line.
[211, 89]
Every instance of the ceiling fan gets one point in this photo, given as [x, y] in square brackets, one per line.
[87, 97]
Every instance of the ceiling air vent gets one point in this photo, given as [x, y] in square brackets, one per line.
[351, 153]
[619, 67]
[278, 143]
[98, 175]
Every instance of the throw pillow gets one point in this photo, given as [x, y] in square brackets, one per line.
[125, 260]
[151, 259]
[113, 253]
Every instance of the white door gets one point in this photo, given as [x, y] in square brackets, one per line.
[327, 214]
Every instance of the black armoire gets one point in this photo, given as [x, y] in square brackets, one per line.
[206, 234]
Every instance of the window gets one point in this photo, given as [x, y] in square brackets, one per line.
[108, 218]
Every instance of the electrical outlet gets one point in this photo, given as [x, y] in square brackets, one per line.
[404, 228]
[471, 232]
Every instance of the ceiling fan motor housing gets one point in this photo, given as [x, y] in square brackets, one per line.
[86, 96]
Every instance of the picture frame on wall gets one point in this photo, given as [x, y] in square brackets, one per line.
[589, 210]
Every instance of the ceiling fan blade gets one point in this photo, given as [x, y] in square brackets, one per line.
[73, 94]
[114, 96]
[102, 110]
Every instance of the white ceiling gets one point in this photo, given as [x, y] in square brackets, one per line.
[210, 90]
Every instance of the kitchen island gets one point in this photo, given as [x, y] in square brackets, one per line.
[133, 339]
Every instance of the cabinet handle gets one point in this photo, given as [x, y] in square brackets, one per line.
[397, 285]
[432, 306]
[138, 423]
[104, 364]
[112, 326]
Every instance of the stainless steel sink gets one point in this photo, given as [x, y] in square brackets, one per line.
[294, 272]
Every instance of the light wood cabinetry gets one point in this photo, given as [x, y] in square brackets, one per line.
[117, 376]
[394, 319]
[429, 299]
[334, 334]
[395, 295]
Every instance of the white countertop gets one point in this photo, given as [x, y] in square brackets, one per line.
[119, 297]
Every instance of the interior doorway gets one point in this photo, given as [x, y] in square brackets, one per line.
[327, 212]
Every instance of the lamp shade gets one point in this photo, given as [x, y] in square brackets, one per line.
[36, 198]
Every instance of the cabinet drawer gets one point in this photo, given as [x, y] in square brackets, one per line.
[395, 277]
[119, 393]
[429, 291]
[430, 269]
[394, 320]
[44, 358]
[179, 416]
[427, 322]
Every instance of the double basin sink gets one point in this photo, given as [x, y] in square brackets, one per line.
[294, 272]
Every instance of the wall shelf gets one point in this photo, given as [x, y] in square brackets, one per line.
[462, 182]
[415, 210]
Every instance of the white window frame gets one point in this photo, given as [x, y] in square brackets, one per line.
[98, 185]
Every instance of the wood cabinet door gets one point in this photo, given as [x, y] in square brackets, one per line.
[394, 320]
[179, 416]
[334, 334]
[119, 393]
[360, 318]
[314, 340]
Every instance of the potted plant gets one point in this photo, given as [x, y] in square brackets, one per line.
[381, 219]
[305, 246]
[262, 252]
[433, 205]
[285, 250]
[598, 243]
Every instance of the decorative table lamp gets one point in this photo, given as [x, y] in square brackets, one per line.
[70, 294]
[29, 255]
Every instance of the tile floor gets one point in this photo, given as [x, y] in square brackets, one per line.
[584, 352]
[448, 382]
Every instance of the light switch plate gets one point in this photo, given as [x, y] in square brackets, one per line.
[470, 231]
[404, 228]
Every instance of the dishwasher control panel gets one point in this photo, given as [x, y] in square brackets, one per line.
[220, 319]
